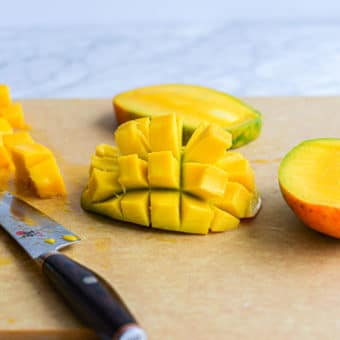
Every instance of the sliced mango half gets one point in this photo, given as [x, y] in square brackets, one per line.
[155, 181]
[193, 104]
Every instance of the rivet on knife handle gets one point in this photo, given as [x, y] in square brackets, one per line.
[91, 298]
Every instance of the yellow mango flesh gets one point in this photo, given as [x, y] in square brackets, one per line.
[46, 178]
[165, 203]
[14, 114]
[5, 127]
[5, 96]
[103, 185]
[157, 177]
[174, 188]
[204, 180]
[132, 172]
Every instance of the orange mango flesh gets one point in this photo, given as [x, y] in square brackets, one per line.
[171, 187]
[33, 164]
[309, 178]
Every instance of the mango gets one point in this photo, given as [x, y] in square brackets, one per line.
[155, 181]
[309, 178]
[193, 105]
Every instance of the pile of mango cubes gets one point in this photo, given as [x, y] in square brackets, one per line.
[151, 179]
[33, 165]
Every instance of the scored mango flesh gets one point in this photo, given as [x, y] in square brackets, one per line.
[193, 104]
[150, 179]
[32, 164]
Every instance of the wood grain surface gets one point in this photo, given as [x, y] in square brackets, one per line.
[271, 278]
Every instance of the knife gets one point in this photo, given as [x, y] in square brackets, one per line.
[90, 297]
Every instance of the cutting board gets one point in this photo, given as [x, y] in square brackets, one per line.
[271, 278]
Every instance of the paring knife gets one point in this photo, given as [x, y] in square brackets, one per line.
[84, 291]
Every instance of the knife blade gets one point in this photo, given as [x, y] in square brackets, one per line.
[89, 295]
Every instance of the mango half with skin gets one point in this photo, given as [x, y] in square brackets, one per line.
[193, 104]
[150, 179]
[309, 178]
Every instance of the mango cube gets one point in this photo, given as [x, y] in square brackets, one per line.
[11, 140]
[196, 215]
[204, 180]
[25, 156]
[14, 114]
[166, 134]
[236, 200]
[5, 127]
[46, 178]
[5, 159]
[132, 172]
[207, 144]
[135, 207]
[103, 185]
[239, 169]
[103, 163]
[110, 208]
[5, 96]
[158, 178]
[223, 221]
[130, 139]
[165, 210]
[108, 151]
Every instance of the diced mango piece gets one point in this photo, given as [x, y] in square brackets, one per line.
[204, 180]
[5, 96]
[157, 162]
[131, 140]
[5, 127]
[17, 138]
[132, 172]
[239, 169]
[104, 163]
[47, 179]
[5, 159]
[165, 210]
[108, 151]
[196, 215]
[143, 125]
[110, 208]
[25, 156]
[135, 207]
[166, 134]
[5, 174]
[207, 144]
[14, 114]
[223, 221]
[236, 200]
[103, 185]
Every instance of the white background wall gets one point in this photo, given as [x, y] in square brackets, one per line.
[22, 12]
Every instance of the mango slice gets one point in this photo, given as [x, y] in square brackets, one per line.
[309, 178]
[193, 189]
[193, 104]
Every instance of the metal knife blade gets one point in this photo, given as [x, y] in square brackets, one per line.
[31, 228]
[93, 299]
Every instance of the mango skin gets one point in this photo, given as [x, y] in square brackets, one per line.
[242, 133]
[321, 218]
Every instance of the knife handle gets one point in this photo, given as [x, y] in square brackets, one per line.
[91, 298]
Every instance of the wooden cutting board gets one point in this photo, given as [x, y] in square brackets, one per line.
[271, 278]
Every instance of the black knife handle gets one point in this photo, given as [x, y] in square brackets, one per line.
[91, 298]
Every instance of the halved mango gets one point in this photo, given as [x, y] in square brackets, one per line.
[175, 188]
[309, 178]
[193, 104]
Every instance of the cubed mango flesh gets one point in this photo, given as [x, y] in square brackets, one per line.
[166, 186]
[5, 96]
